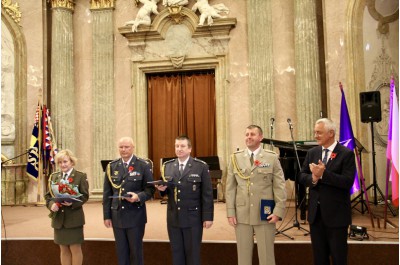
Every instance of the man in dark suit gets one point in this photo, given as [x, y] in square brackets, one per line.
[328, 171]
[124, 197]
[190, 202]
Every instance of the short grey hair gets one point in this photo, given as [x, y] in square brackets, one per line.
[126, 139]
[329, 124]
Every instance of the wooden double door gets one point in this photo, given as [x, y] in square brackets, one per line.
[181, 104]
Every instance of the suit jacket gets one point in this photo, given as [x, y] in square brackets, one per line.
[123, 213]
[332, 192]
[192, 191]
[266, 181]
[69, 216]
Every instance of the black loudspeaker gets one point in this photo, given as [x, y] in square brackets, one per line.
[370, 106]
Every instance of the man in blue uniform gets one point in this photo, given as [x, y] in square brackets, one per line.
[190, 202]
[124, 197]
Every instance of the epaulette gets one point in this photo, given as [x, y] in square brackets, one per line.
[79, 171]
[239, 151]
[169, 161]
[201, 161]
[269, 151]
[145, 160]
[115, 160]
[54, 173]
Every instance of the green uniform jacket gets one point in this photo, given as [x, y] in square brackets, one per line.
[70, 216]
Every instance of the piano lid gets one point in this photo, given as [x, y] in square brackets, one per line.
[300, 145]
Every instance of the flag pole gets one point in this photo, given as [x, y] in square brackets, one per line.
[39, 179]
[386, 220]
[40, 140]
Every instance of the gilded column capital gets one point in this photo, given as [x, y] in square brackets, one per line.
[101, 4]
[68, 4]
[12, 10]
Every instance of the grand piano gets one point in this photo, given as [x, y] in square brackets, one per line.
[291, 168]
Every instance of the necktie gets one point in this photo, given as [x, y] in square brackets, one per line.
[66, 176]
[181, 169]
[252, 159]
[126, 165]
[325, 160]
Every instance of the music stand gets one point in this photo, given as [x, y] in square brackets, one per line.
[360, 149]
[104, 164]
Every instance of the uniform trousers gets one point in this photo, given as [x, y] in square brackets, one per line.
[129, 245]
[328, 241]
[185, 244]
[265, 236]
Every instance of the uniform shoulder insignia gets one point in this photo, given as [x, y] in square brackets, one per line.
[239, 151]
[269, 151]
[169, 161]
[114, 161]
[55, 173]
[201, 161]
[145, 160]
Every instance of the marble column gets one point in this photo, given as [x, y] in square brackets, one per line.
[308, 83]
[103, 146]
[62, 75]
[262, 100]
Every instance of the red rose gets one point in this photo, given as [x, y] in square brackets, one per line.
[333, 155]
[130, 169]
[70, 180]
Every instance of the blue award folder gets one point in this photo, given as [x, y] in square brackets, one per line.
[266, 208]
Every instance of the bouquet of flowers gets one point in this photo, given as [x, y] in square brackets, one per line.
[64, 191]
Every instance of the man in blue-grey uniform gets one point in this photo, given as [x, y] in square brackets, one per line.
[190, 202]
[124, 197]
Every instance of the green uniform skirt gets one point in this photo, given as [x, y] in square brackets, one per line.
[68, 236]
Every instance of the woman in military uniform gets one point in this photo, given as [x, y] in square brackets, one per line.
[68, 217]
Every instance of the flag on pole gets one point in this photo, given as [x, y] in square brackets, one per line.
[346, 135]
[32, 167]
[392, 152]
[49, 143]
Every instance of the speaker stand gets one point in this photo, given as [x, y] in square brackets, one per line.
[374, 184]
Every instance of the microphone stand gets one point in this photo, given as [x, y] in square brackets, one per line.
[272, 133]
[296, 221]
[27, 151]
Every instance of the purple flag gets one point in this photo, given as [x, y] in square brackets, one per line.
[346, 135]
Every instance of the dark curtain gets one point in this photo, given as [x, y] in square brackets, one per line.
[181, 104]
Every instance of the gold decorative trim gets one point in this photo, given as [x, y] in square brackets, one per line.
[383, 25]
[69, 4]
[101, 4]
[176, 14]
[5, 158]
[12, 10]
